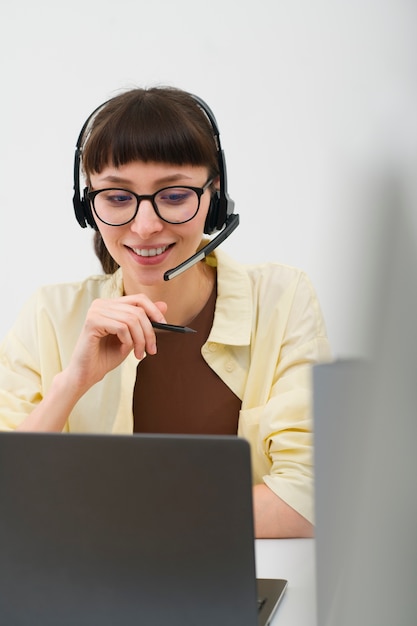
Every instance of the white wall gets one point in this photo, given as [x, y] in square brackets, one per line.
[315, 99]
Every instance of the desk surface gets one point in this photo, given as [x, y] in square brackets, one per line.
[293, 559]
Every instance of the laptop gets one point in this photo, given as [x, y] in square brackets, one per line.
[123, 530]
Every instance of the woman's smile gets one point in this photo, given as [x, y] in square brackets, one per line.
[150, 255]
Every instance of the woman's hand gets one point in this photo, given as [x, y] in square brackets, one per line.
[112, 329]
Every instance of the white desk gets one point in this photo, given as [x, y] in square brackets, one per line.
[293, 559]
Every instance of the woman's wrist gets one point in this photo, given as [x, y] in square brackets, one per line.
[53, 411]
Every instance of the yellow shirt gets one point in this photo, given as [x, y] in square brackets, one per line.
[267, 332]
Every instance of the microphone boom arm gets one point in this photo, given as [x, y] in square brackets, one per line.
[232, 223]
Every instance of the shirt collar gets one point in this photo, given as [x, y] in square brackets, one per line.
[233, 314]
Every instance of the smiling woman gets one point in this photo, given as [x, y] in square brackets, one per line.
[91, 356]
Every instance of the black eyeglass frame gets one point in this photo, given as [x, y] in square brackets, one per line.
[151, 197]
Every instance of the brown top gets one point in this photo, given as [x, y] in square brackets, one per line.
[177, 392]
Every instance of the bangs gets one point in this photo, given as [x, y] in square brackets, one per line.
[159, 125]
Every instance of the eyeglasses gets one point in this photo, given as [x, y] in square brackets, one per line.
[175, 205]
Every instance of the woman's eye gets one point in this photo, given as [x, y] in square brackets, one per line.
[119, 198]
[175, 196]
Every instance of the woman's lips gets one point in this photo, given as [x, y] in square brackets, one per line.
[146, 252]
[150, 256]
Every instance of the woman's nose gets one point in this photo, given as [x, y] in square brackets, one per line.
[146, 221]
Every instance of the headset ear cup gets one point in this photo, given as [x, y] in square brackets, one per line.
[212, 219]
[86, 208]
[79, 211]
[81, 203]
[77, 201]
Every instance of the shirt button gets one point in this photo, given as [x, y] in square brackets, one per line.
[230, 366]
[212, 347]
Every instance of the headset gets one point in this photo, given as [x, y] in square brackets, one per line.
[220, 215]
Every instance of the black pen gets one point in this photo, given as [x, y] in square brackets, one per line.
[173, 328]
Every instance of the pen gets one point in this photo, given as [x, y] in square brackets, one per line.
[173, 328]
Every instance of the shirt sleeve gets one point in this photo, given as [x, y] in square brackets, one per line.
[286, 421]
[288, 338]
[20, 376]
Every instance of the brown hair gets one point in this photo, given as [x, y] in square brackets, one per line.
[161, 124]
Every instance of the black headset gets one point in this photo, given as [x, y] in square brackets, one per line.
[220, 212]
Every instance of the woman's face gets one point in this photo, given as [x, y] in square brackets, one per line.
[147, 247]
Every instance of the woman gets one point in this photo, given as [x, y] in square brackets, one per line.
[86, 357]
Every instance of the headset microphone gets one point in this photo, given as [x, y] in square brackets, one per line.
[231, 223]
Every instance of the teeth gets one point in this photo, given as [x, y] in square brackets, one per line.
[149, 251]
